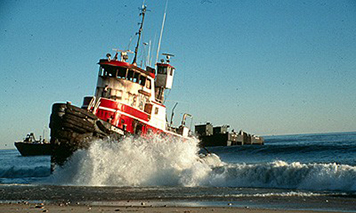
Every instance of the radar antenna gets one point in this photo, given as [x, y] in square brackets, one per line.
[168, 56]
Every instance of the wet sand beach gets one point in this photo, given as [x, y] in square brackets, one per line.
[87, 208]
[31, 198]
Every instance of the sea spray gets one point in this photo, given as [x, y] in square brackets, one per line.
[153, 161]
[157, 161]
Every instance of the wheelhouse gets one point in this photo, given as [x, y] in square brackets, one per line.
[125, 97]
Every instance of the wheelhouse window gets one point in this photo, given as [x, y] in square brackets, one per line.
[121, 73]
[148, 84]
[127, 74]
[101, 71]
[136, 77]
[142, 81]
[130, 75]
[162, 70]
[107, 71]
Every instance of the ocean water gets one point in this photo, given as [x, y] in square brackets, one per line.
[286, 167]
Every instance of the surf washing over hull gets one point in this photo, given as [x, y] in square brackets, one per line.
[157, 161]
[163, 162]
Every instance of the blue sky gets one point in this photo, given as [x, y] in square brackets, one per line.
[267, 67]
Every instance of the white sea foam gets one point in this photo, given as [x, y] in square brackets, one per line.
[280, 174]
[171, 162]
[136, 162]
[281, 194]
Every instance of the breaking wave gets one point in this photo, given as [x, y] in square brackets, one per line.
[163, 162]
[279, 174]
[135, 162]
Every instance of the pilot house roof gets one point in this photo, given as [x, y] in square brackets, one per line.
[115, 63]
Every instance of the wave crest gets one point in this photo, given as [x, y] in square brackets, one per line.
[135, 162]
[280, 174]
[171, 162]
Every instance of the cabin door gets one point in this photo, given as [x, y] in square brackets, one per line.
[137, 127]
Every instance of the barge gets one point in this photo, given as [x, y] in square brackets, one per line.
[220, 136]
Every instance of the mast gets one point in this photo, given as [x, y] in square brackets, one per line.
[139, 32]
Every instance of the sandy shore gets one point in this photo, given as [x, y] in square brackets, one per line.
[57, 208]
[23, 198]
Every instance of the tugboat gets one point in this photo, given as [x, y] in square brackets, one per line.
[31, 147]
[129, 100]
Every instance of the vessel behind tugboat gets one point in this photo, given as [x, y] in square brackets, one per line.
[31, 147]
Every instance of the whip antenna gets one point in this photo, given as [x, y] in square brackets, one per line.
[160, 37]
